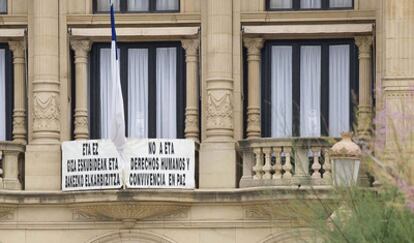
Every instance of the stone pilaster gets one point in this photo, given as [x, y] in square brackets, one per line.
[218, 150]
[81, 48]
[43, 153]
[19, 111]
[192, 130]
[219, 71]
[364, 44]
[46, 95]
[254, 46]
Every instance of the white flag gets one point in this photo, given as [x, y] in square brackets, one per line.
[116, 104]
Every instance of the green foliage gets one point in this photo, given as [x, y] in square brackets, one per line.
[368, 216]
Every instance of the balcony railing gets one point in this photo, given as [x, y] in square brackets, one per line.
[11, 166]
[284, 162]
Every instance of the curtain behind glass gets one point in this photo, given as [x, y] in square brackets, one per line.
[2, 96]
[103, 5]
[340, 3]
[310, 4]
[310, 91]
[275, 4]
[138, 5]
[339, 88]
[166, 92]
[138, 93]
[281, 90]
[105, 79]
[166, 5]
[3, 6]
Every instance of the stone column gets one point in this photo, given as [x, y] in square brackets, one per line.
[46, 107]
[365, 78]
[43, 154]
[191, 112]
[218, 150]
[219, 71]
[254, 46]
[81, 48]
[19, 111]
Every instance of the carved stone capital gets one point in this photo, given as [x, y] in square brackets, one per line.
[253, 45]
[17, 47]
[364, 43]
[81, 47]
[190, 46]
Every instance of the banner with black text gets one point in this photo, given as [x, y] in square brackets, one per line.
[144, 163]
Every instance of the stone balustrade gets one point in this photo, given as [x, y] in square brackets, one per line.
[11, 165]
[284, 162]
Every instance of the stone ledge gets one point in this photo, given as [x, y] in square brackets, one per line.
[188, 197]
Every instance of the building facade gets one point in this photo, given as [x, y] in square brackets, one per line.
[263, 87]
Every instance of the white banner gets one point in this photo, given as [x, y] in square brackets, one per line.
[148, 163]
[160, 163]
[90, 164]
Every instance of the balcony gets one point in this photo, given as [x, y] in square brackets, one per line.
[11, 166]
[286, 162]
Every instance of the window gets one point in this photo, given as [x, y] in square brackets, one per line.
[308, 88]
[6, 94]
[138, 5]
[152, 80]
[308, 4]
[3, 6]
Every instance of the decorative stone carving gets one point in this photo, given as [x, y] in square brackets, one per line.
[125, 211]
[19, 111]
[81, 48]
[46, 112]
[253, 45]
[191, 47]
[220, 110]
[6, 213]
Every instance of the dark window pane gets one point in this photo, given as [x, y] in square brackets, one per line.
[2, 95]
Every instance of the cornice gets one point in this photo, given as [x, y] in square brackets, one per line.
[164, 196]
[132, 19]
[13, 20]
[309, 16]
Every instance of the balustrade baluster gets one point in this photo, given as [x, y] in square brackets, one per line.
[267, 168]
[327, 175]
[287, 167]
[258, 168]
[316, 166]
[278, 163]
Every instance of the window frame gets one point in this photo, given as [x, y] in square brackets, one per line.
[325, 5]
[7, 7]
[94, 85]
[296, 45]
[123, 8]
[9, 88]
